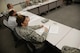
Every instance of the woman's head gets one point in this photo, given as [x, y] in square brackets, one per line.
[12, 13]
[22, 20]
[9, 6]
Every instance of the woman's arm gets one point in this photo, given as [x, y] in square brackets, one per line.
[40, 38]
[36, 27]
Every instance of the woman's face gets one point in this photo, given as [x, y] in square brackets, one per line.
[25, 23]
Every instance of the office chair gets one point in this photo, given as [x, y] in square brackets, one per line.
[5, 23]
[29, 44]
[15, 36]
[20, 40]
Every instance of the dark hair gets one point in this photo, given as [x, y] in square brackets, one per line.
[8, 5]
[20, 19]
[11, 13]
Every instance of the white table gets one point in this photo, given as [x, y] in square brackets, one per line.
[44, 6]
[41, 7]
[72, 39]
[52, 5]
[34, 10]
[38, 5]
[54, 38]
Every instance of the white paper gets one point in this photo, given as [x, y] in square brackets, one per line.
[54, 29]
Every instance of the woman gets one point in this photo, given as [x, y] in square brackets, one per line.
[28, 32]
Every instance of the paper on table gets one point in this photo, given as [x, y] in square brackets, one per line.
[54, 29]
[41, 30]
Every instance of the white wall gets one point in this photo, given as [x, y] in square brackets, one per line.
[14, 1]
[2, 5]
[17, 7]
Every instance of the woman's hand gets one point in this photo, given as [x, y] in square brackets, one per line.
[46, 29]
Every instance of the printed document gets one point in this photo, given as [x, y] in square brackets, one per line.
[54, 29]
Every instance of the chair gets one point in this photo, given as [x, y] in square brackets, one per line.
[5, 22]
[29, 45]
[18, 39]
[15, 36]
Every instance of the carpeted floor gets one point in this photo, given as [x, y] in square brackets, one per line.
[68, 15]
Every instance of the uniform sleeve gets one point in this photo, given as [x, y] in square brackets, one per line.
[39, 38]
[35, 27]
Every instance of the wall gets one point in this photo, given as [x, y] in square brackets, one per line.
[14, 1]
[18, 7]
[2, 5]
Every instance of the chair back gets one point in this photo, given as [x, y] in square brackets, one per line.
[30, 46]
[17, 34]
[16, 37]
[5, 22]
